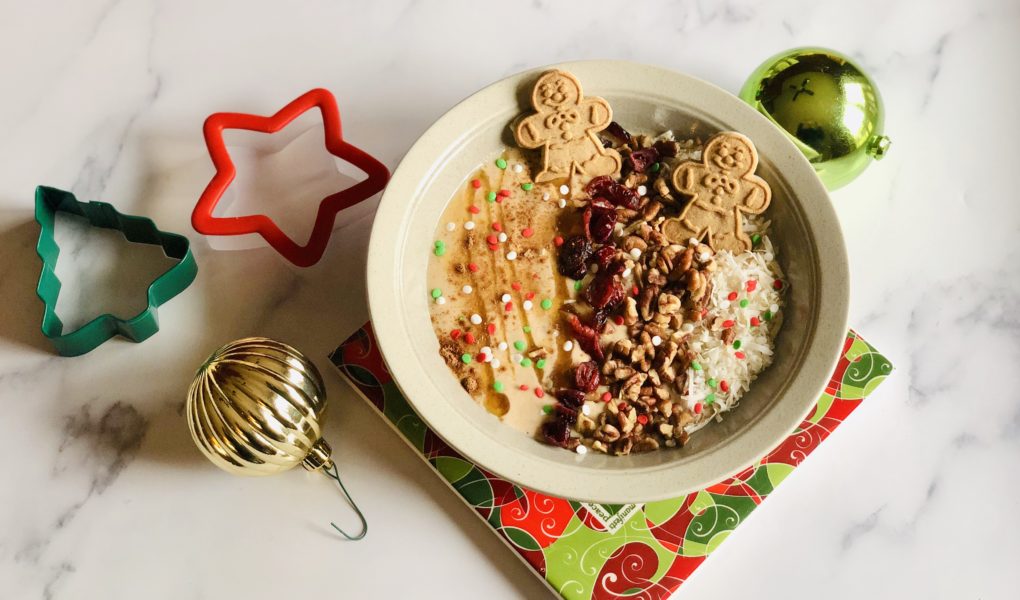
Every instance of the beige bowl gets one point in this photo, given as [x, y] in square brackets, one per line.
[644, 99]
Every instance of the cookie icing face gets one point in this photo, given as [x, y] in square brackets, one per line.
[555, 90]
[731, 155]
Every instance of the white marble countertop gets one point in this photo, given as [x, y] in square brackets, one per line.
[103, 494]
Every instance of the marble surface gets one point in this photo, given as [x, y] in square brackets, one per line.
[103, 494]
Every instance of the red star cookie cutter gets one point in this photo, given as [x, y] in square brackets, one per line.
[202, 218]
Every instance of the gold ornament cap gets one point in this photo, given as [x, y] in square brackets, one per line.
[827, 105]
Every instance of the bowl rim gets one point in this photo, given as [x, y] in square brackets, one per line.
[756, 438]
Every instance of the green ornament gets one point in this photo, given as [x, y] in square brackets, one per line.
[827, 105]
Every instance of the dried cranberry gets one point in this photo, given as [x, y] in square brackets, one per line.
[616, 130]
[605, 254]
[639, 160]
[586, 376]
[571, 398]
[587, 337]
[598, 319]
[556, 432]
[617, 193]
[573, 257]
[605, 291]
[615, 267]
[567, 414]
[599, 220]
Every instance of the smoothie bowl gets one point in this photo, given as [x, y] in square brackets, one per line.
[608, 282]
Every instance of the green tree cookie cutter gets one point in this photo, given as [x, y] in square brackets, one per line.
[49, 201]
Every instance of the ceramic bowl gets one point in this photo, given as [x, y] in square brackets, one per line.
[644, 99]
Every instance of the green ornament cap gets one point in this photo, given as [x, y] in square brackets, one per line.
[827, 105]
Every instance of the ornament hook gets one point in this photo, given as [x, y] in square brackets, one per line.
[331, 472]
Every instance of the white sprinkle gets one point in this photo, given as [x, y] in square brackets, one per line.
[517, 357]
[586, 410]
[564, 189]
[642, 190]
[562, 203]
[704, 256]
[626, 273]
[528, 304]
[769, 257]
[569, 345]
[774, 308]
[511, 255]
[441, 300]
[502, 237]
[693, 242]
[469, 225]
[687, 327]
[467, 289]
[724, 304]
[518, 168]
[636, 253]
[451, 226]
[486, 350]
[505, 298]
[495, 363]
[503, 346]
[656, 340]
[581, 449]
[545, 196]
[476, 319]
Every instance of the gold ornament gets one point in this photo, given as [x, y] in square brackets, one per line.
[827, 105]
[256, 408]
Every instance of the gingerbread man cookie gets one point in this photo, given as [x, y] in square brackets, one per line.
[722, 187]
[565, 125]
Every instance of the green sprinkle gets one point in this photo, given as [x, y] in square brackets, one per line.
[526, 363]
[546, 304]
[696, 366]
[577, 286]
[497, 385]
[527, 186]
[520, 345]
[755, 239]
[767, 315]
[547, 409]
[656, 167]
[540, 363]
[527, 329]
[709, 399]
[466, 358]
[743, 303]
[491, 196]
[736, 345]
[500, 163]
[712, 383]
[436, 292]
[440, 248]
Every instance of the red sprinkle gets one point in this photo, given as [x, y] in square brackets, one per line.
[497, 226]
[476, 183]
[499, 199]
[777, 284]
[469, 337]
[516, 285]
[740, 355]
[508, 307]
[697, 408]
[643, 419]
[504, 192]
[755, 322]
[727, 324]
[529, 296]
[732, 296]
[558, 240]
[491, 328]
[751, 285]
[474, 209]
[492, 239]
[635, 291]
[480, 357]
[539, 392]
[622, 406]
[704, 312]
[523, 388]
[724, 386]
[618, 319]
[455, 333]
[606, 396]
[528, 232]
[472, 267]
[493, 247]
